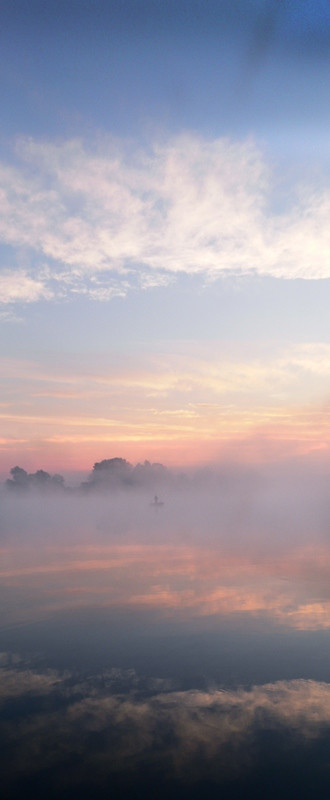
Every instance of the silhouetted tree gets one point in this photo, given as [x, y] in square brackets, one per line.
[109, 473]
[41, 480]
[112, 473]
[19, 479]
[150, 475]
[58, 481]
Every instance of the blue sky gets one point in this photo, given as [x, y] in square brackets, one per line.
[217, 67]
[165, 204]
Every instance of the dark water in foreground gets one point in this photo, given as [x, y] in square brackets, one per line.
[182, 655]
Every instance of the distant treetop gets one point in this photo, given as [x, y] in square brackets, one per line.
[114, 473]
[22, 481]
[108, 474]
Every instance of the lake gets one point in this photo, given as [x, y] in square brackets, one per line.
[178, 651]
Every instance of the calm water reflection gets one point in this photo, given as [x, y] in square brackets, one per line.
[183, 652]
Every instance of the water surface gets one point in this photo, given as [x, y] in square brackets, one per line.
[180, 650]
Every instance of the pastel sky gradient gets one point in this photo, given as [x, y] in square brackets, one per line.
[165, 237]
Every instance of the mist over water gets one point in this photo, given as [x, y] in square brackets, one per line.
[159, 642]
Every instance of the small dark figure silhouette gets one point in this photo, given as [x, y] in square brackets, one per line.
[156, 503]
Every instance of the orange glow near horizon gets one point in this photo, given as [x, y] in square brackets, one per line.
[262, 448]
[287, 436]
[193, 404]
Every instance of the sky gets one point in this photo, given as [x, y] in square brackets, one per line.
[165, 238]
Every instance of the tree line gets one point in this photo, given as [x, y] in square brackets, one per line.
[111, 473]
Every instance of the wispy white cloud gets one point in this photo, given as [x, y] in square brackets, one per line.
[186, 372]
[122, 216]
[18, 286]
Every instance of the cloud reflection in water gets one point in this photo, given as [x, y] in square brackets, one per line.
[184, 579]
[112, 723]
